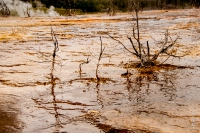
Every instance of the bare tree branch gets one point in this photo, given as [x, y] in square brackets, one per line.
[164, 50]
[136, 52]
[123, 45]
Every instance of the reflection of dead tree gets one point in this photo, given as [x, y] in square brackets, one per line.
[144, 54]
[53, 79]
[4, 9]
[128, 81]
[139, 86]
[53, 82]
[100, 56]
[168, 87]
[99, 96]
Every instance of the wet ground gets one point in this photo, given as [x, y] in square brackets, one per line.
[39, 93]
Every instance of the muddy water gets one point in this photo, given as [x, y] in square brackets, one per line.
[42, 94]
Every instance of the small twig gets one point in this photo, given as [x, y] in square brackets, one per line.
[159, 42]
[80, 65]
[176, 56]
[165, 59]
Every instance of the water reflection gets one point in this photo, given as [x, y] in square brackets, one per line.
[100, 99]
[9, 121]
[151, 97]
[142, 83]
[55, 107]
[51, 104]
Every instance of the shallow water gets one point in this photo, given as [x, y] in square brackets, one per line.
[38, 94]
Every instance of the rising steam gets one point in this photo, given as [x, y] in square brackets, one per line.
[24, 9]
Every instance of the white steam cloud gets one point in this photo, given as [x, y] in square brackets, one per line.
[22, 8]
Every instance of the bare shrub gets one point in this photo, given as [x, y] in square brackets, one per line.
[143, 53]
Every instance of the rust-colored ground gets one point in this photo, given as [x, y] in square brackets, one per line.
[38, 95]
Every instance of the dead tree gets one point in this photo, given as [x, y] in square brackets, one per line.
[143, 53]
[4, 9]
[55, 41]
[99, 59]
[110, 9]
[56, 48]
[27, 12]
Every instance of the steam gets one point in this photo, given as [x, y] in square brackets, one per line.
[24, 9]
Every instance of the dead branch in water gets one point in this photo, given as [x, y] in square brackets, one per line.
[56, 48]
[100, 56]
[55, 41]
[138, 50]
[52, 104]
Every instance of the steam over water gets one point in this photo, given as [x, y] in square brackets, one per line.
[23, 7]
